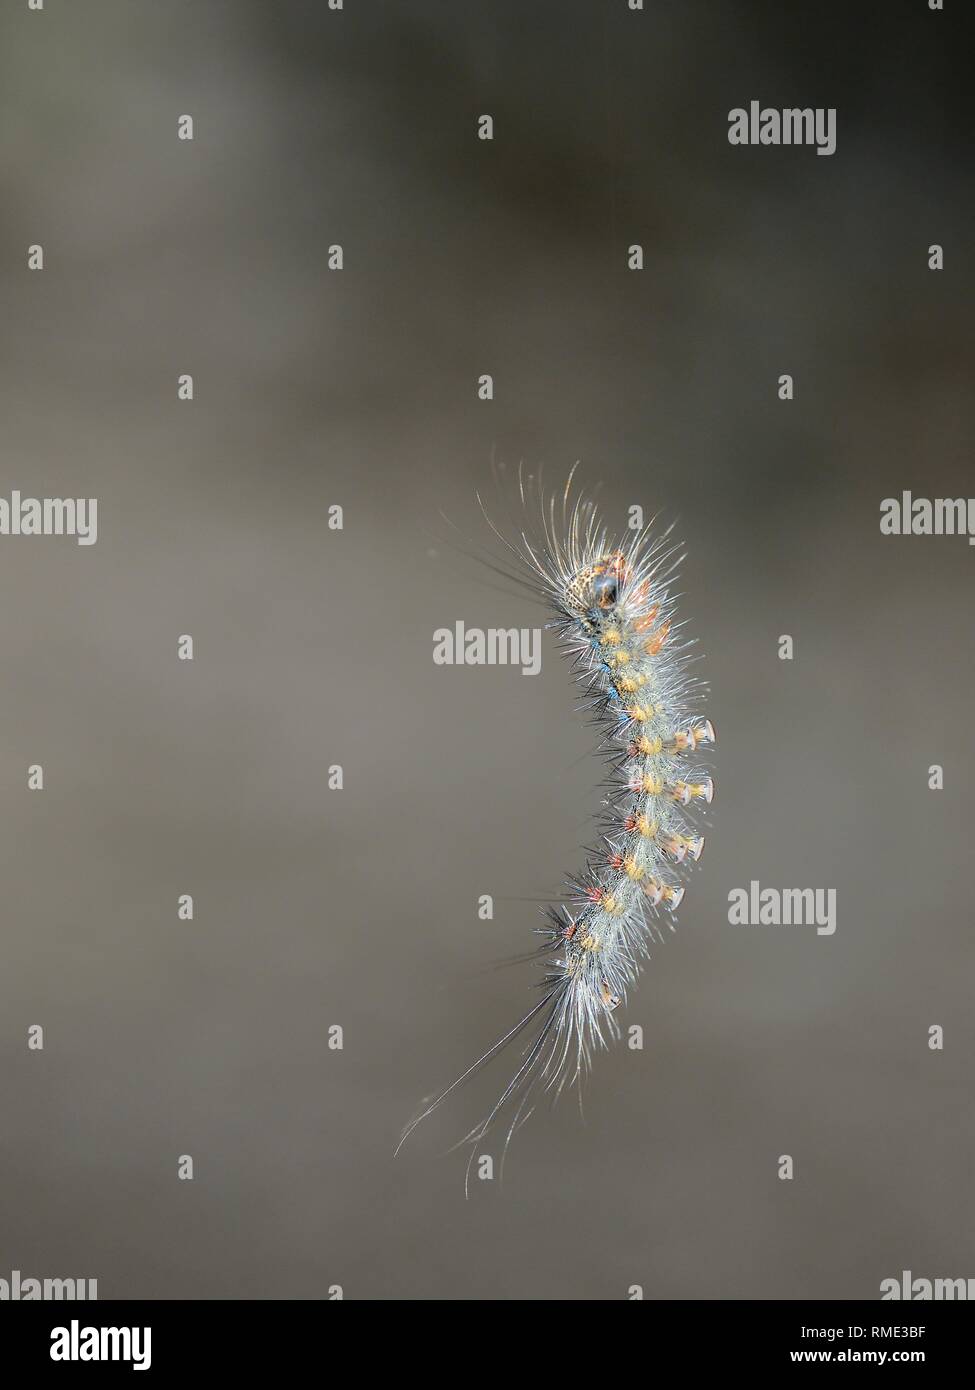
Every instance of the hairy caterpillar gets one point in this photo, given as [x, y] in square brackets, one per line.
[614, 616]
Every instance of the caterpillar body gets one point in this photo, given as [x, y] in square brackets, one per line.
[614, 616]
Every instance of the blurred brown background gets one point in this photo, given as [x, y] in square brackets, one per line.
[358, 907]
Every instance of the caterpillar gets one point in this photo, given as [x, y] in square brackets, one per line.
[614, 617]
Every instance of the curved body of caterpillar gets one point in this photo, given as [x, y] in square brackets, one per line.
[615, 618]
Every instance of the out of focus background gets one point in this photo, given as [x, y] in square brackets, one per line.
[358, 908]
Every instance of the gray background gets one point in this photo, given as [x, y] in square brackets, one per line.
[358, 907]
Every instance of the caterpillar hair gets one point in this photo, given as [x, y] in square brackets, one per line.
[614, 616]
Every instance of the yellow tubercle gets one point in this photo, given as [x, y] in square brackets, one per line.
[631, 683]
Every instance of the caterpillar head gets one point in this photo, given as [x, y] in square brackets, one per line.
[594, 592]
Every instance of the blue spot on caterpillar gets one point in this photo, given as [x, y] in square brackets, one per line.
[614, 617]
